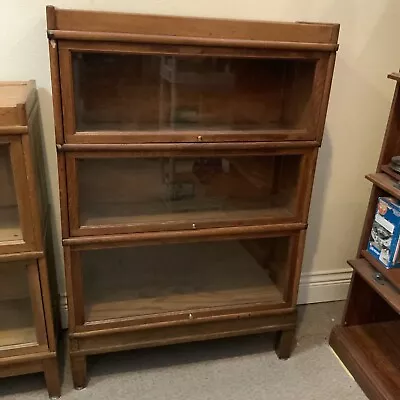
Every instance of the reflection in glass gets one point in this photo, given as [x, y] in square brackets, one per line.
[149, 92]
[9, 219]
[170, 190]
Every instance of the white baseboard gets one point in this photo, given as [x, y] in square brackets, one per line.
[319, 287]
[315, 287]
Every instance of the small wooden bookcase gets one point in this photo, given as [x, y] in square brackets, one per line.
[27, 335]
[368, 341]
[186, 151]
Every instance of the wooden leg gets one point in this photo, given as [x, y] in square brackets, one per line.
[285, 342]
[78, 368]
[52, 377]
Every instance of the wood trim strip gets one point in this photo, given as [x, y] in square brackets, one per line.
[77, 284]
[185, 50]
[63, 193]
[32, 187]
[125, 137]
[21, 185]
[306, 183]
[185, 40]
[94, 242]
[179, 318]
[66, 93]
[72, 186]
[98, 21]
[179, 334]
[27, 255]
[296, 261]
[185, 146]
[21, 350]
[47, 303]
[325, 97]
[70, 288]
[13, 130]
[36, 301]
[183, 151]
[56, 89]
[26, 358]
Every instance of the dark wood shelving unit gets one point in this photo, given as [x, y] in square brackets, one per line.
[186, 150]
[368, 340]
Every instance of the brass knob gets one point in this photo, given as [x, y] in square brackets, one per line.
[190, 316]
[194, 226]
[199, 138]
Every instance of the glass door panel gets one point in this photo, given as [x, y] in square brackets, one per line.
[10, 228]
[176, 192]
[186, 277]
[17, 323]
[142, 93]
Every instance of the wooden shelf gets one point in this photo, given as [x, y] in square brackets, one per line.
[389, 292]
[16, 324]
[385, 182]
[392, 274]
[371, 352]
[390, 172]
[142, 281]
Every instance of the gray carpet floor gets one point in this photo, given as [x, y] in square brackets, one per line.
[243, 368]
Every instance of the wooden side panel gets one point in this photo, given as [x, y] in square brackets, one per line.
[50, 304]
[364, 305]
[36, 200]
[37, 304]
[56, 91]
[391, 141]
[188, 333]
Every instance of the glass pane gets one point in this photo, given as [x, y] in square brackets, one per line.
[126, 191]
[149, 92]
[16, 316]
[10, 228]
[137, 281]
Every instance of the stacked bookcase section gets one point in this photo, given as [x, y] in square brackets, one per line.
[27, 335]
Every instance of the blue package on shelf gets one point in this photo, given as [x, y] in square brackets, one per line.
[385, 233]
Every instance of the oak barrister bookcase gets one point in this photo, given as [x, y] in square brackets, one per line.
[186, 152]
[27, 335]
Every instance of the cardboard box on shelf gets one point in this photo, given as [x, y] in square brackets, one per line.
[385, 233]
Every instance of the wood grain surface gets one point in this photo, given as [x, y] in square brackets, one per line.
[371, 353]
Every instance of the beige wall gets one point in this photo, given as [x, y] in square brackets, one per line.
[357, 114]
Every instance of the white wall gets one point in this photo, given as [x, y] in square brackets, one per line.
[357, 114]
